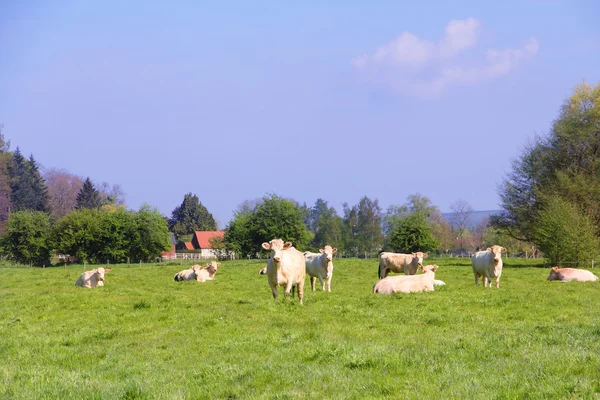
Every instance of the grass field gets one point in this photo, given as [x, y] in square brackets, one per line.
[144, 336]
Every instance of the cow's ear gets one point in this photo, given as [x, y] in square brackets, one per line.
[503, 250]
[106, 270]
[321, 251]
[218, 264]
[287, 245]
[489, 249]
[425, 255]
[435, 267]
[334, 250]
[554, 269]
[414, 255]
[266, 246]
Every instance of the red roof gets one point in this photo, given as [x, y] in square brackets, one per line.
[203, 237]
[189, 246]
[170, 252]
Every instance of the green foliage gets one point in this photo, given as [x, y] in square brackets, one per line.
[363, 226]
[88, 197]
[112, 234]
[565, 234]
[412, 233]
[273, 217]
[28, 190]
[191, 216]
[565, 162]
[27, 238]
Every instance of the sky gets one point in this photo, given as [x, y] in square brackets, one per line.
[336, 100]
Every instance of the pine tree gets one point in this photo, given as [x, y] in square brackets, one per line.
[191, 216]
[40, 190]
[88, 196]
[27, 186]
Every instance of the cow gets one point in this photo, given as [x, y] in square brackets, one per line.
[320, 265]
[262, 271]
[395, 262]
[207, 273]
[286, 267]
[488, 263]
[187, 274]
[571, 274]
[93, 278]
[407, 283]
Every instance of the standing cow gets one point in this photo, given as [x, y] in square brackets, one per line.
[408, 283]
[286, 267]
[571, 274]
[93, 278]
[395, 262]
[488, 263]
[320, 265]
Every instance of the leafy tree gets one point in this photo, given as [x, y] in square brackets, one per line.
[351, 239]
[152, 234]
[328, 226]
[27, 238]
[191, 216]
[412, 233]
[565, 162]
[565, 234]
[88, 197]
[77, 233]
[273, 217]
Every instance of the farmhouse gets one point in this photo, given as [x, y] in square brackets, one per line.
[168, 255]
[201, 240]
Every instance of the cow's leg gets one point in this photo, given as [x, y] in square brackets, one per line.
[476, 278]
[301, 290]
[288, 288]
[274, 290]
[329, 283]
[313, 280]
[322, 282]
[497, 282]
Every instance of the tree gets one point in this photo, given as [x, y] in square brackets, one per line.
[566, 161]
[412, 233]
[77, 234]
[88, 197]
[191, 216]
[28, 191]
[63, 189]
[565, 234]
[329, 229]
[273, 217]
[151, 234]
[462, 211]
[27, 238]
[5, 190]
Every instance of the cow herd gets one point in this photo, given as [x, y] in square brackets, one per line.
[288, 267]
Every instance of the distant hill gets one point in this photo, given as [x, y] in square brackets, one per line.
[475, 217]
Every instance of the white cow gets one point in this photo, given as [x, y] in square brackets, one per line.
[407, 283]
[571, 274]
[488, 263]
[93, 278]
[187, 274]
[320, 265]
[396, 262]
[286, 267]
[207, 273]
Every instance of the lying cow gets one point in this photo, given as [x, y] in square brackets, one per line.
[488, 263]
[207, 273]
[189, 274]
[320, 265]
[571, 274]
[286, 267]
[93, 278]
[407, 283]
[396, 262]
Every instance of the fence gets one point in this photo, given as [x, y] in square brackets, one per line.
[195, 256]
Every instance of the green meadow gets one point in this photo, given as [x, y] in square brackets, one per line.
[144, 336]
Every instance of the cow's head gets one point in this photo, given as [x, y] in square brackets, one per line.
[196, 269]
[554, 274]
[497, 252]
[213, 266]
[419, 256]
[100, 273]
[329, 252]
[276, 246]
[432, 268]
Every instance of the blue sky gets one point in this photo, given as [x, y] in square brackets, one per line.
[337, 100]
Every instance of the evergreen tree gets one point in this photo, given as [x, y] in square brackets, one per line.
[40, 190]
[28, 190]
[88, 196]
[191, 216]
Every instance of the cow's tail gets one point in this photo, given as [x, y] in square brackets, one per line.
[379, 268]
[375, 288]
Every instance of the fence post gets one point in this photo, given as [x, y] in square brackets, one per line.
[592, 263]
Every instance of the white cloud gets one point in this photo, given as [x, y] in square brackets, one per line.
[425, 68]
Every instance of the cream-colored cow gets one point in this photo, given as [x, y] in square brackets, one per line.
[286, 267]
[488, 263]
[320, 265]
[207, 273]
[571, 274]
[408, 283]
[187, 274]
[93, 278]
[397, 262]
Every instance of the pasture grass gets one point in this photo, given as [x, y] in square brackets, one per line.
[144, 336]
